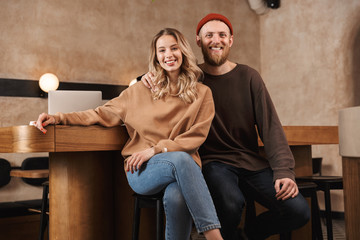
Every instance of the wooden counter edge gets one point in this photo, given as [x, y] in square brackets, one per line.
[26, 139]
[60, 138]
[89, 138]
[310, 135]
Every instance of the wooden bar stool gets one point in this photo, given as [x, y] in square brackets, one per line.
[308, 189]
[34, 174]
[37, 177]
[5, 169]
[44, 212]
[44, 217]
[325, 184]
[148, 201]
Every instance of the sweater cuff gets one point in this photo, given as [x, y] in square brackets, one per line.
[278, 174]
[159, 149]
[57, 118]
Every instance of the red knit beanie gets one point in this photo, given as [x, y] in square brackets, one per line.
[213, 16]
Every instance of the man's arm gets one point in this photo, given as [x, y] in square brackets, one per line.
[147, 80]
[275, 143]
[272, 133]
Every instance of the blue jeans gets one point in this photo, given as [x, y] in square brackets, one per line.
[186, 194]
[236, 186]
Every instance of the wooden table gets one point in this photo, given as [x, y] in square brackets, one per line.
[90, 197]
[87, 181]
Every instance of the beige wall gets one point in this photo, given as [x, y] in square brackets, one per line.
[307, 52]
[105, 41]
[310, 61]
[98, 42]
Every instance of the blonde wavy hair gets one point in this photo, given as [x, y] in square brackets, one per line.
[189, 71]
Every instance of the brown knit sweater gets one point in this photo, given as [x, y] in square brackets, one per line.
[167, 124]
[243, 106]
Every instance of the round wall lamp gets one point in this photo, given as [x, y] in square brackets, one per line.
[48, 82]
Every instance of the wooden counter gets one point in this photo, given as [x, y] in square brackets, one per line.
[349, 146]
[90, 198]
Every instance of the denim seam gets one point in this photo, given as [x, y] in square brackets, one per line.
[209, 227]
[166, 225]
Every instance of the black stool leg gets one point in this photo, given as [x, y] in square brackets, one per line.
[315, 218]
[159, 220]
[136, 221]
[43, 218]
[328, 212]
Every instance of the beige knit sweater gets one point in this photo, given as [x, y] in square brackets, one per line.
[167, 124]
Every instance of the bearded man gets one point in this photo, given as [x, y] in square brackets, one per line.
[233, 168]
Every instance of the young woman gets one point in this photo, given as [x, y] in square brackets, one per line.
[166, 127]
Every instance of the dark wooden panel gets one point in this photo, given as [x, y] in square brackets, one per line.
[30, 88]
[20, 228]
[20, 88]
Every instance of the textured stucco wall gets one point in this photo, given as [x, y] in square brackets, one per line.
[98, 42]
[105, 41]
[310, 63]
[308, 53]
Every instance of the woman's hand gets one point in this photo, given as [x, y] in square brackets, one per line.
[147, 80]
[44, 120]
[135, 161]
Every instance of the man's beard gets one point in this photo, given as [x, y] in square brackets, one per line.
[213, 59]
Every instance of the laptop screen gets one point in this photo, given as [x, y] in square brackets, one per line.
[71, 101]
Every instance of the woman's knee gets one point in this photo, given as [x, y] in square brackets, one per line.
[181, 156]
[181, 160]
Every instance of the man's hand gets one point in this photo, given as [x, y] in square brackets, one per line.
[135, 161]
[147, 80]
[285, 188]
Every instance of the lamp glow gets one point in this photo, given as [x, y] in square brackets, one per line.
[48, 82]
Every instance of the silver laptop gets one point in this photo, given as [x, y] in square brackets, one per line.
[71, 101]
